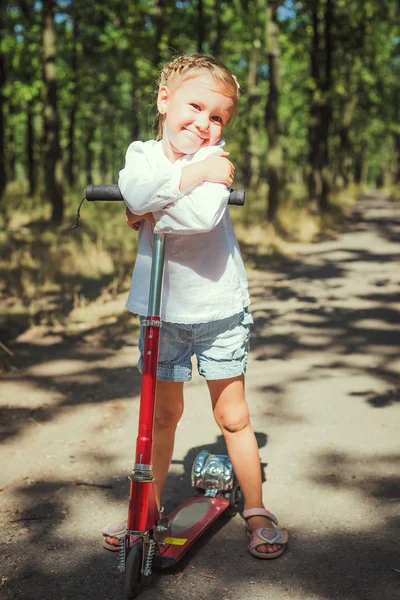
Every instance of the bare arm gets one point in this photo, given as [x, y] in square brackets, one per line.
[203, 205]
[214, 169]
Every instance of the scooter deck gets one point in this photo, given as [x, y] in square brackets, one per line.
[187, 523]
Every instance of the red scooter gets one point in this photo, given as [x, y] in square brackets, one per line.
[153, 540]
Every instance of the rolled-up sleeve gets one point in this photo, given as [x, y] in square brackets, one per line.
[146, 185]
[198, 211]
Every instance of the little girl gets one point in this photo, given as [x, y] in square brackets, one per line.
[180, 185]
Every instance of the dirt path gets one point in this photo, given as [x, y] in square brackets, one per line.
[324, 392]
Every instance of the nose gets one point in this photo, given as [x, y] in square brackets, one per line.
[202, 121]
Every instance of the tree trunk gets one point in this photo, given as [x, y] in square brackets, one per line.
[217, 30]
[71, 174]
[116, 160]
[326, 108]
[53, 171]
[320, 108]
[136, 95]
[274, 155]
[89, 152]
[161, 43]
[30, 149]
[397, 158]
[200, 26]
[104, 169]
[136, 22]
[314, 115]
[11, 142]
[27, 75]
[358, 167]
[396, 136]
[3, 174]
[250, 157]
[345, 154]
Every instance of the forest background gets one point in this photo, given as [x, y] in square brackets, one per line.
[319, 119]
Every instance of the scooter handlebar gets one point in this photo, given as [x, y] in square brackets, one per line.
[111, 191]
[237, 197]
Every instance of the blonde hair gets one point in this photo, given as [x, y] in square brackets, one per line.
[186, 67]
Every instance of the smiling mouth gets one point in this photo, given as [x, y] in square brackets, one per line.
[201, 137]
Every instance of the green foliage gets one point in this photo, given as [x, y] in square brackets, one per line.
[116, 46]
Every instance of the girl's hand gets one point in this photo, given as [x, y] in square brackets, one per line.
[218, 169]
[215, 169]
[133, 221]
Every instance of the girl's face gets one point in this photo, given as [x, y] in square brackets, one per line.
[195, 113]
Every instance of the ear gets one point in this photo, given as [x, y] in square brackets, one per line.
[162, 99]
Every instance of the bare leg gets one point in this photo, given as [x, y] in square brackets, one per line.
[232, 415]
[169, 409]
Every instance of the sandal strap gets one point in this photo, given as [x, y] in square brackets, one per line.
[114, 529]
[270, 536]
[259, 512]
[118, 529]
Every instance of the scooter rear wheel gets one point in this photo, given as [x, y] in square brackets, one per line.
[236, 501]
[133, 574]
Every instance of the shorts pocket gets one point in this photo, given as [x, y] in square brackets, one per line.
[246, 323]
[246, 318]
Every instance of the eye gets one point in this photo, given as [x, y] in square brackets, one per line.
[217, 119]
[195, 106]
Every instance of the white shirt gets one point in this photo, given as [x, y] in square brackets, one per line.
[204, 275]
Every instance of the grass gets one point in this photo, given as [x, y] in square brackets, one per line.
[59, 277]
[298, 222]
[56, 275]
[393, 192]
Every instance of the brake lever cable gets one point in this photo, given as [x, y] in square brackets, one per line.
[78, 214]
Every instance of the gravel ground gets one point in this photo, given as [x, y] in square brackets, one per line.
[323, 388]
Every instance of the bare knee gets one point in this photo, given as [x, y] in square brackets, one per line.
[169, 405]
[232, 422]
[166, 418]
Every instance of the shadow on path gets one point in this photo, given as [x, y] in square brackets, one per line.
[332, 310]
[356, 564]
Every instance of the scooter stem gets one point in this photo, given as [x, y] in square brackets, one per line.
[156, 276]
[141, 498]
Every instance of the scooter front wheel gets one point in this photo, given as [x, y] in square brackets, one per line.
[133, 568]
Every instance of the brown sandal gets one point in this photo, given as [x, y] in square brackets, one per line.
[265, 535]
[113, 531]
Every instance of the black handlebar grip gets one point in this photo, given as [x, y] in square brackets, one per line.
[111, 191]
[237, 197]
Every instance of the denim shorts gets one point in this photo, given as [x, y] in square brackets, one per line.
[221, 348]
